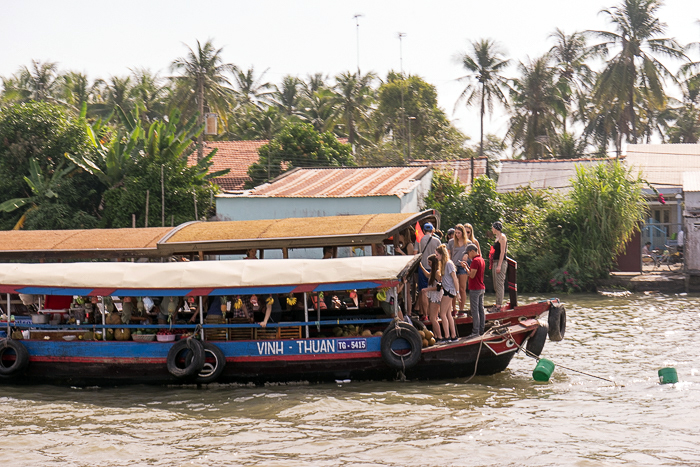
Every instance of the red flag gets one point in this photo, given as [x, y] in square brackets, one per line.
[419, 232]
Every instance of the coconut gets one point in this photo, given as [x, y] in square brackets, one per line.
[429, 334]
[431, 341]
[425, 343]
[88, 336]
[379, 333]
[366, 333]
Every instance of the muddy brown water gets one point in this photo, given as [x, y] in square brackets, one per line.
[502, 420]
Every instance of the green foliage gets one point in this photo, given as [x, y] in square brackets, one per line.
[607, 207]
[480, 207]
[408, 119]
[162, 159]
[33, 139]
[298, 145]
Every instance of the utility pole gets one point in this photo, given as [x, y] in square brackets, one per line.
[401, 35]
[409, 136]
[357, 24]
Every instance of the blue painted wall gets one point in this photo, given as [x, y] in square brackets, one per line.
[242, 207]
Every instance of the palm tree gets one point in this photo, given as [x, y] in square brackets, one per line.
[570, 54]
[203, 78]
[314, 83]
[633, 78]
[485, 85]
[39, 82]
[317, 109]
[148, 93]
[537, 106]
[252, 90]
[286, 96]
[353, 101]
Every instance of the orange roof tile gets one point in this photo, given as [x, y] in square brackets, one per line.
[234, 155]
[342, 182]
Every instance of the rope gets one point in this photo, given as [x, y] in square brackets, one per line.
[476, 363]
[536, 357]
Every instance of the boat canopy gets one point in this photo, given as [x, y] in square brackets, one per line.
[213, 238]
[193, 278]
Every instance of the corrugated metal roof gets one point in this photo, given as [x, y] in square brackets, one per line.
[662, 165]
[540, 174]
[691, 181]
[342, 182]
[460, 168]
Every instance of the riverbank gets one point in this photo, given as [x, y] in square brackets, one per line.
[657, 281]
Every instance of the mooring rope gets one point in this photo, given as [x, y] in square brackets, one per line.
[537, 357]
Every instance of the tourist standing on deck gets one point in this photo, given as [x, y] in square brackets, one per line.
[499, 265]
[427, 246]
[449, 289]
[476, 289]
[457, 247]
[434, 294]
[469, 230]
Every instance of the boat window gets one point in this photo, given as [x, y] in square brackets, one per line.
[351, 251]
[305, 253]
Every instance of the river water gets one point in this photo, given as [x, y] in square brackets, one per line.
[502, 420]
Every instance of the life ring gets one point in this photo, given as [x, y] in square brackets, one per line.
[401, 361]
[214, 363]
[193, 358]
[557, 322]
[7, 348]
[536, 341]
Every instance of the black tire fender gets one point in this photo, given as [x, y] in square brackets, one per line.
[536, 341]
[21, 357]
[557, 322]
[407, 332]
[194, 358]
[214, 363]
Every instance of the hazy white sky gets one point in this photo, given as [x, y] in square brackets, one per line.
[302, 37]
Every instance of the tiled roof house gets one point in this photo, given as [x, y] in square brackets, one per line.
[234, 155]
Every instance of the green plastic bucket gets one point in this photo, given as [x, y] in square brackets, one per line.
[668, 375]
[543, 370]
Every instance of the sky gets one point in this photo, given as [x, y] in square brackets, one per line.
[303, 37]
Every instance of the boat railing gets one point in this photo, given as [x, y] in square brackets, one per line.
[337, 322]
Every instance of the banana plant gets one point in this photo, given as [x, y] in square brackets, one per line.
[43, 187]
[109, 163]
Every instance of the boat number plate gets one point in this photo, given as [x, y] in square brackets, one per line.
[352, 344]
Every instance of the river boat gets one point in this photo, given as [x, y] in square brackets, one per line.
[353, 341]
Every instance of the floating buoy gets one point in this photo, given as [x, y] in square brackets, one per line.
[543, 370]
[668, 375]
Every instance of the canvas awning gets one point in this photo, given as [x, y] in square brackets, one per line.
[204, 277]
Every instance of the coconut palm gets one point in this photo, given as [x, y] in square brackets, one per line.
[633, 78]
[486, 84]
[40, 80]
[203, 81]
[286, 96]
[570, 55]
[317, 110]
[251, 90]
[148, 93]
[353, 102]
[537, 106]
